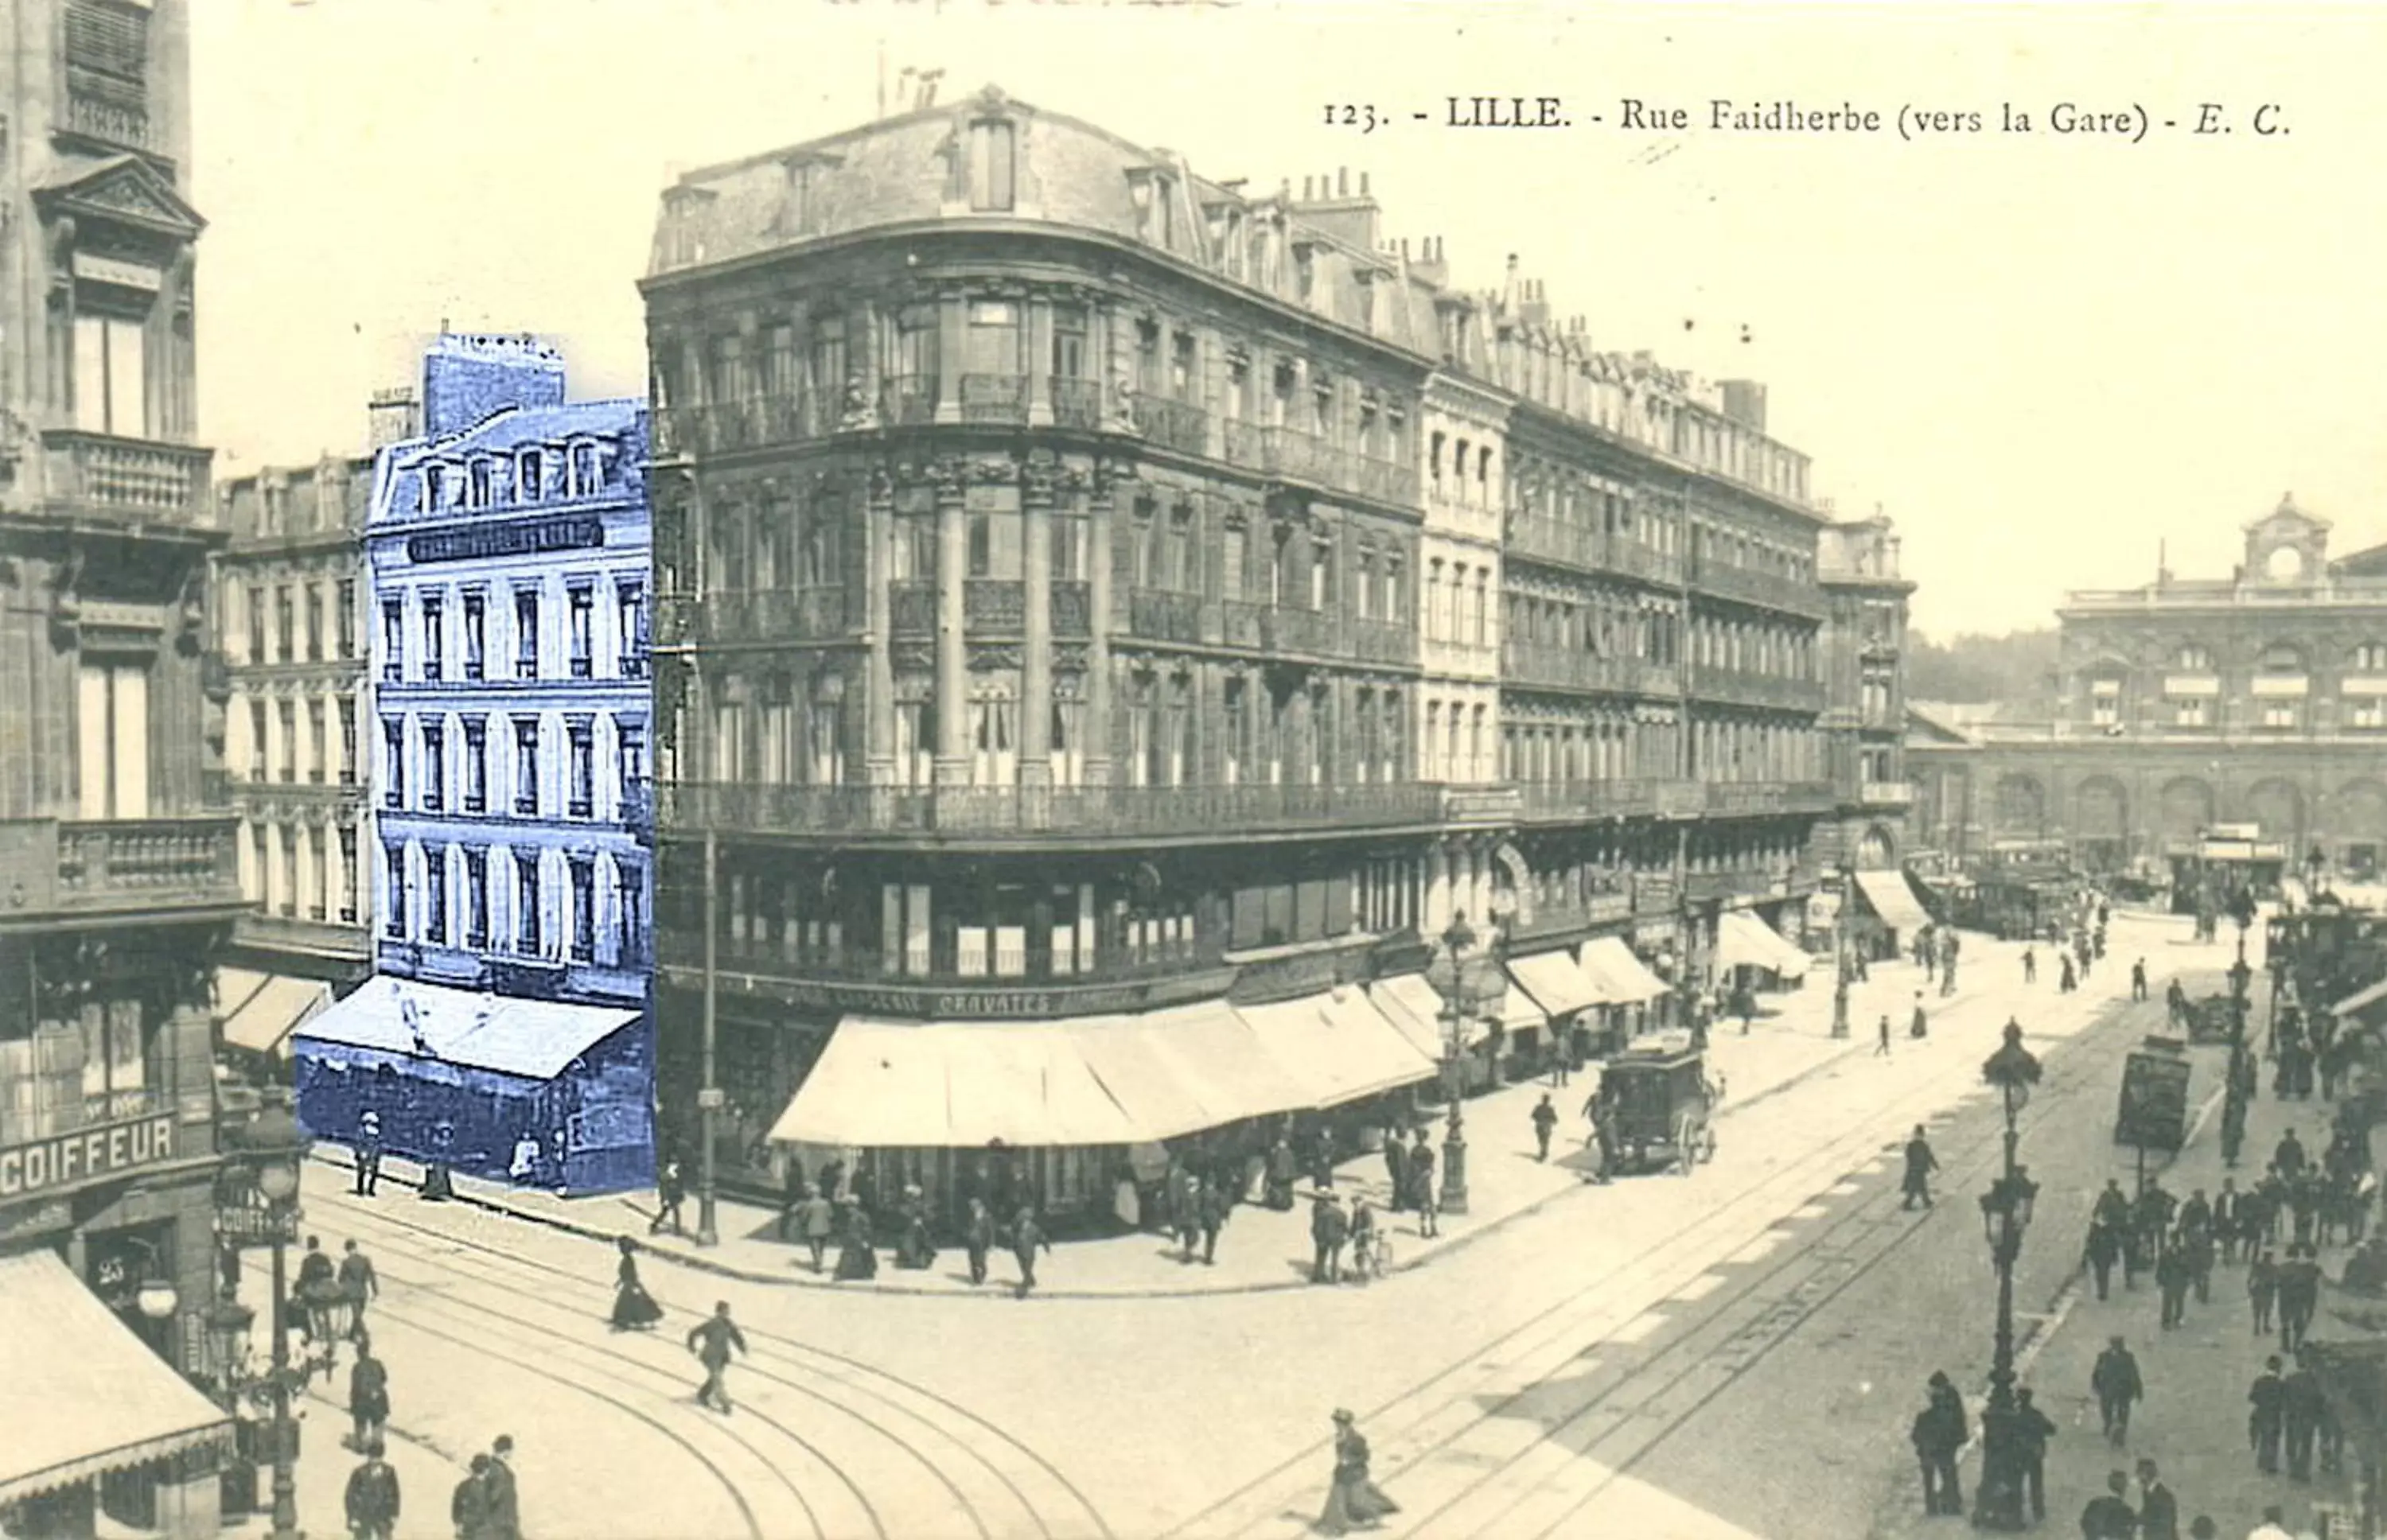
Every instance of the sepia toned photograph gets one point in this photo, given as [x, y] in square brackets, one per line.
[1191, 770]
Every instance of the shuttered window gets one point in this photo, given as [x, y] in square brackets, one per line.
[112, 39]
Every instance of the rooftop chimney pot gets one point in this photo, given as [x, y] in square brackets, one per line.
[1363, 185]
[1343, 182]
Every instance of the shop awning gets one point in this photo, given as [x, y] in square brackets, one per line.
[80, 1395]
[1337, 1051]
[1413, 1007]
[1555, 982]
[1623, 979]
[1181, 1070]
[1518, 1014]
[882, 1084]
[2359, 998]
[1892, 900]
[1745, 940]
[534, 1039]
[259, 1010]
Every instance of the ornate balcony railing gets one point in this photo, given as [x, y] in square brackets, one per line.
[683, 947]
[1589, 550]
[136, 864]
[101, 107]
[995, 604]
[1552, 667]
[1176, 424]
[1378, 641]
[130, 479]
[1708, 887]
[1278, 628]
[1763, 588]
[1639, 797]
[1076, 403]
[912, 606]
[1764, 797]
[1886, 793]
[1245, 442]
[1744, 689]
[1158, 614]
[1060, 811]
[994, 397]
[1072, 609]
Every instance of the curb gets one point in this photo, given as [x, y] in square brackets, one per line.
[341, 1159]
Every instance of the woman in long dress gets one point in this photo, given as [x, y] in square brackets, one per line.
[858, 1256]
[1353, 1501]
[634, 1309]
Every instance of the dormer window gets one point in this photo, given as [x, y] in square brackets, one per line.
[434, 487]
[530, 474]
[482, 484]
[587, 479]
[994, 165]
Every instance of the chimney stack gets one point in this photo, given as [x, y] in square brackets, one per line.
[1429, 265]
[1343, 182]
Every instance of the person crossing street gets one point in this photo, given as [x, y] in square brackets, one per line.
[711, 1340]
[1920, 1164]
[2267, 1402]
[2118, 1387]
[1545, 1122]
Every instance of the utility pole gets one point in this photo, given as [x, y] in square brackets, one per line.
[707, 1096]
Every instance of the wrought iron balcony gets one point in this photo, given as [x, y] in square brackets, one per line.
[1553, 667]
[1076, 403]
[1062, 812]
[101, 107]
[1587, 550]
[994, 397]
[1642, 797]
[1742, 687]
[128, 480]
[1179, 425]
[1886, 793]
[1707, 887]
[1746, 798]
[1764, 589]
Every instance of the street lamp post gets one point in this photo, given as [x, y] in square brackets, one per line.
[2006, 1215]
[1840, 951]
[273, 1147]
[1466, 976]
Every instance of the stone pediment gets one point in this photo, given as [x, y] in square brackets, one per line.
[124, 190]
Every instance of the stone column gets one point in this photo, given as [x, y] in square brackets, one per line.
[953, 647]
[1036, 654]
[1481, 854]
[878, 686]
[1437, 889]
[1100, 509]
[952, 335]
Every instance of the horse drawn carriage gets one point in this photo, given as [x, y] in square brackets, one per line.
[1658, 1110]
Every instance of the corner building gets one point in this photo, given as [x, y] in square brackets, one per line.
[118, 874]
[1086, 596]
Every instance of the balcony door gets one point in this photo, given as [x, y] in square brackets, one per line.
[112, 749]
[111, 378]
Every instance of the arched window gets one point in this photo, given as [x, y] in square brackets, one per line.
[2370, 657]
[2193, 658]
[2280, 658]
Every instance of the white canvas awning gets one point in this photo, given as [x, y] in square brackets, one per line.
[882, 1084]
[1745, 940]
[534, 1039]
[1624, 981]
[1338, 1050]
[1555, 982]
[80, 1395]
[1412, 1006]
[259, 1011]
[1892, 900]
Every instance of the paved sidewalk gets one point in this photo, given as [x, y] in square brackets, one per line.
[1263, 1250]
[2193, 1422]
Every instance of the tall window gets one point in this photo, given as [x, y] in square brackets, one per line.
[2370, 658]
[632, 739]
[916, 743]
[285, 625]
[2193, 658]
[828, 360]
[348, 873]
[1067, 752]
[992, 166]
[393, 639]
[476, 897]
[477, 632]
[630, 599]
[348, 708]
[1234, 556]
[527, 937]
[256, 625]
[583, 741]
[110, 376]
[994, 742]
[344, 643]
[1069, 342]
[583, 615]
[318, 741]
[314, 623]
[434, 767]
[587, 471]
[824, 739]
[435, 635]
[526, 765]
[530, 476]
[630, 915]
[393, 746]
[287, 716]
[286, 900]
[525, 633]
[477, 764]
[393, 866]
[584, 909]
[434, 894]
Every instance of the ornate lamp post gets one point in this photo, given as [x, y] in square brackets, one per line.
[272, 1148]
[1840, 950]
[1468, 977]
[2006, 1215]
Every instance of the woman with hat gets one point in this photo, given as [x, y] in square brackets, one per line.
[1353, 1501]
[634, 1309]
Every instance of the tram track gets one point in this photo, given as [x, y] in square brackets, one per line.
[1011, 1490]
[1465, 1403]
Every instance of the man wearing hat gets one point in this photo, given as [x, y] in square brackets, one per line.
[2116, 1380]
[1329, 1228]
[2109, 1516]
[372, 1499]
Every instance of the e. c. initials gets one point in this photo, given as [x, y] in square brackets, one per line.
[1505, 112]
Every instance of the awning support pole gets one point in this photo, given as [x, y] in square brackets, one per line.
[708, 1098]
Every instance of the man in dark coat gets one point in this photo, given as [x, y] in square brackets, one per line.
[2267, 1402]
[2105, 1249]
[711, 1340]
[505, 1499]
[670, 1192]
[372, 1500]
[2118, 1385]
[368, 1398]
[1545, 1122]
[2139, 980]
[468, 1507]
[2173, 1277]
[977, 1238]
[359, 1285]
[2229, 1217]
[792, 1200]
[1026, 1238]
[368, 1153]
[1321, 1157]
[1422, 1162]
[2290, 1157]
[1396, 1166]
[1329, 1228]
[2108, 1517]
[1937, 1437]
[1217, 1203]
[1281, 1174]
[2299, 1296]
[1920, 1164]
[2032, 1429]
[2158, 1509]
[2301, 1405]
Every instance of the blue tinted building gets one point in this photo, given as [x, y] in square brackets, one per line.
[507, 553]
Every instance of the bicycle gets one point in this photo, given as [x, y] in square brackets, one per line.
[1374, 1258]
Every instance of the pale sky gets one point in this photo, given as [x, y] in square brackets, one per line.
[2041, 354]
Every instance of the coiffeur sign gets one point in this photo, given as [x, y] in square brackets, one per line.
[88, 1152]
